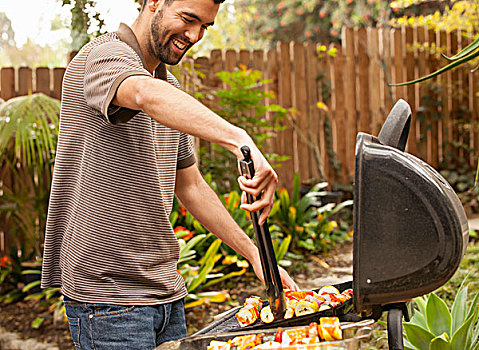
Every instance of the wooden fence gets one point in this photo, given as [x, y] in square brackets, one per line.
[353, 86]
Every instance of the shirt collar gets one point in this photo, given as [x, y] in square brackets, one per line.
[126, 35]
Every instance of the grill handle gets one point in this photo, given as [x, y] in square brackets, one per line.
[272, 279]
[395, 130]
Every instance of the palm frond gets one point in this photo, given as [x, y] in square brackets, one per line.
[31, 124]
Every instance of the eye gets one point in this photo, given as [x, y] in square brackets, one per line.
[205, 27]
[187, 20]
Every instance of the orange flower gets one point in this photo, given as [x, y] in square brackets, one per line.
[5, 261]
[188, 234]
[227, 199]
[183, 211]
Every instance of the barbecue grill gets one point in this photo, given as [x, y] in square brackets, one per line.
[410, 234]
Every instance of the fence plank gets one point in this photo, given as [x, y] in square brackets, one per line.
[245, 58]
[25, 82]
[374, 80]
[300, 103]
[313, 112]
[398, 55]
[433, 133]
[445, 79]
[350, 92]
[387, 63]
[411, 89]
[271, 74]
[42, 80]
[465, 113]
[340, 116]
[284, 97]
[454, 45]
[216, 66]
[7, 85]
[57, 82]
[363, 81]
[231, 60]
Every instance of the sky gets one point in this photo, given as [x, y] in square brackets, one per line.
[32, 18]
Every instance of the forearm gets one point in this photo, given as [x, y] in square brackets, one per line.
[203, 203]
[178, 110]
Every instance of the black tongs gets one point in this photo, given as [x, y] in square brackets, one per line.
[274, 287]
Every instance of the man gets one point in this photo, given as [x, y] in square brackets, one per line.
[123, 152]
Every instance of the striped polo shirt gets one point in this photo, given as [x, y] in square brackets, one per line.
[108, 236]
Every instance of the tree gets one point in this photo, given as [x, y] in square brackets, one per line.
[312, 20]
[7, 38]
[446, 15]
[86, 22]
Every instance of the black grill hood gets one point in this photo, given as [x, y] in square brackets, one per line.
[410, 229]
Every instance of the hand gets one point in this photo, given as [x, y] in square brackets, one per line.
[263, 183]
[287, 281]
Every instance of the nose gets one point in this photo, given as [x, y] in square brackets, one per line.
[194, 34]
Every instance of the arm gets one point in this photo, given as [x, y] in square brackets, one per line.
[178, 110]
[201, 201]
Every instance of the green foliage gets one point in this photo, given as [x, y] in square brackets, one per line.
[16, 286]
[242, 103]
[434, 326]
[469, 269]
[312, 20]
[28, 137]
[84, 17]
[309, 226]
[460, 15]
[440, 15]
[466, 55]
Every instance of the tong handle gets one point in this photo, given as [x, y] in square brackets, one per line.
[274, 286]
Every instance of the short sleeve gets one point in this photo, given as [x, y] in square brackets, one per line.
[186, 152]
[106, 67]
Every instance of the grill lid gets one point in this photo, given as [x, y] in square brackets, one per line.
[410, 229]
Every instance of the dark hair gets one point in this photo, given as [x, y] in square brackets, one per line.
[168, 2]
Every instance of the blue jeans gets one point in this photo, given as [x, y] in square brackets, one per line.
[108, 326]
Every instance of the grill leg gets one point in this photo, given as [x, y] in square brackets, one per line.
[395, 340]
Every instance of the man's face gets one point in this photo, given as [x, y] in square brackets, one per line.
[175, 28]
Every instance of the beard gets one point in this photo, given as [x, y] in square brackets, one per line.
[160, 48]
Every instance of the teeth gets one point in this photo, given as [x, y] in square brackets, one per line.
[179, 44]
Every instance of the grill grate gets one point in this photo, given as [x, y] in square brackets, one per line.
[228, 322]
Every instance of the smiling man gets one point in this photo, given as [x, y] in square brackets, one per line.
[124, 151]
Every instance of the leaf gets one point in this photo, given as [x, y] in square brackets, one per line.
[460, 338]
[440, 343]
[225, 277]
[419, 337]
[296, 184]
[442, 70]
[465, 51]
[4, 275]
[438, 318]
[31, 285]
[207, 263]
[474, 305]
[421, 305]
[419, 319]
[37, 322]
[459, 309]
[283, 248]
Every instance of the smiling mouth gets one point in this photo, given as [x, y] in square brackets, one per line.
[179, 45]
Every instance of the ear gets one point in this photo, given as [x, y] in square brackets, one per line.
[152, 5]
